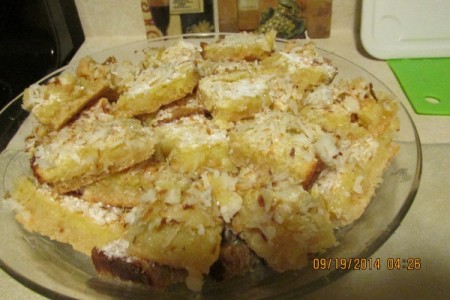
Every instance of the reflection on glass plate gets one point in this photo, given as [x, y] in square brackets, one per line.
[54, 269]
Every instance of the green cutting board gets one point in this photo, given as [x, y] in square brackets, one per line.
[426, 83]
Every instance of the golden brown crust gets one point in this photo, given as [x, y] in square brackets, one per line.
[154, 88]
[137, 270]
[66, 219]
[240, 47]
[57, 113]
[122, 189]
[184, 108]
[93, 146]
[235, 259]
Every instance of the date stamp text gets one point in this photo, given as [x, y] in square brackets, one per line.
[390, 263]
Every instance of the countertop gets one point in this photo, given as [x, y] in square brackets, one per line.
[424, 232]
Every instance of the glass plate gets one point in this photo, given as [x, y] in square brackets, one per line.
[55, 270]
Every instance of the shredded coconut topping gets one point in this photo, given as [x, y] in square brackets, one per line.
[270, 149]
[117, 248]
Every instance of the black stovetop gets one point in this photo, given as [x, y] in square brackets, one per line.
[36, 37]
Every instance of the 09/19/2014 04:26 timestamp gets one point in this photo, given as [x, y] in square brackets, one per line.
[389, 263]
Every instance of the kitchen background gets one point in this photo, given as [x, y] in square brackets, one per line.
[425, 231]
[39, 36]
[290, 18]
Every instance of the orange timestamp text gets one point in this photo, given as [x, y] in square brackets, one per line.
[366, 263]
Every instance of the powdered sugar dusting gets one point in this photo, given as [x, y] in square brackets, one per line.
[101, 215]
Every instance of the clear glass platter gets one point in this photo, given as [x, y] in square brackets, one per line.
[55, 270]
